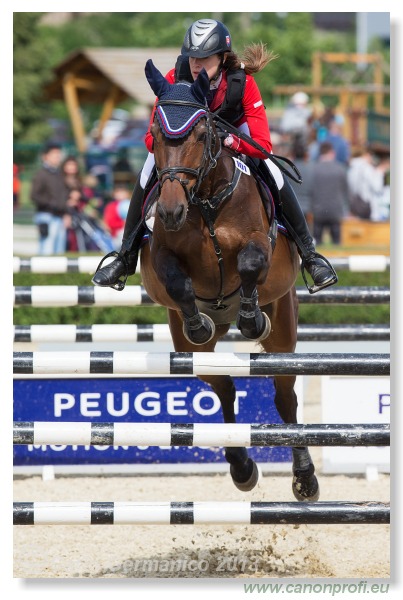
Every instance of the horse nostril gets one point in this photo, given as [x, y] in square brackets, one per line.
[162, 212]
[178, 213]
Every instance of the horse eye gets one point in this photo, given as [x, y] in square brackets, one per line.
[202, 136]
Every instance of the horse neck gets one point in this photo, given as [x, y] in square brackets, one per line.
[218, 177]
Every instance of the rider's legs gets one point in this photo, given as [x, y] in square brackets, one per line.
[126, 260]
[318, 267]
[322, 273]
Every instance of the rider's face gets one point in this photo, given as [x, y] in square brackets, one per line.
[211, 64]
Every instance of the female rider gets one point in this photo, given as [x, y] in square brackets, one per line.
[207, 45]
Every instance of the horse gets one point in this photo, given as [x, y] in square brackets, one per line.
[210, 259]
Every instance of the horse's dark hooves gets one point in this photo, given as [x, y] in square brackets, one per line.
[305, 488]
[252, 477]
[202, 334]
[267, 329]
[251, 333]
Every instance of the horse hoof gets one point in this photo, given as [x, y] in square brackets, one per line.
[252, 477]
[251, 335]
[305, 489]
[266, 330]
[202, 334]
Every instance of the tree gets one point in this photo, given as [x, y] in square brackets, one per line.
[32, 62]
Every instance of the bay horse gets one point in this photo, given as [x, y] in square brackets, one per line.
[210, 260]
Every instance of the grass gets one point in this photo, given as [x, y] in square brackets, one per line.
[26, 315]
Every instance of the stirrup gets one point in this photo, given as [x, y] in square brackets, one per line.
[120, 284]
[316, 288]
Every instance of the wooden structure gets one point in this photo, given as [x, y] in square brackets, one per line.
[352, 98]
[357, 232]
[106, 77]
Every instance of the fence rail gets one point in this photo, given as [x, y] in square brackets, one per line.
[73, 295]
[88, 264]
[99, 333]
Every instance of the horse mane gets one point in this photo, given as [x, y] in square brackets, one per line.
[254, 58]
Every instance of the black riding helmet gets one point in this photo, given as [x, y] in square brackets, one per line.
[206, 37]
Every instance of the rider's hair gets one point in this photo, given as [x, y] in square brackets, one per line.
[254, 58]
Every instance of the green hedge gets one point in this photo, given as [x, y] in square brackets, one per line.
[26, 315]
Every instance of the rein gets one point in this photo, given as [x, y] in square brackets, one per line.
[273, 157]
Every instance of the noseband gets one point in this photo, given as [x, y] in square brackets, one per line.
[208, 161]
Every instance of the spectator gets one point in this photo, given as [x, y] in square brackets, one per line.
[122, 169]
[366, 179]
[97, 164]
[116, 212]
[50, 194]
[334, 135]
[16, 187]
[304, 166]
[76, 199]
[329, 194]
[95, 200]
[295, 120]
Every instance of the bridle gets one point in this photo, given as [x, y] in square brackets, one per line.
[208, 161]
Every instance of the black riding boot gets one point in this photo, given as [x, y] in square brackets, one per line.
[318, 266]
[115, 274]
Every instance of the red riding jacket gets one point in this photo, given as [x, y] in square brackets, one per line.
[254, 115]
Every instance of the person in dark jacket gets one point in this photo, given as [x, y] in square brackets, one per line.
[330, 196]
[49, 193]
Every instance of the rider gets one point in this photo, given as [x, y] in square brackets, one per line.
[207, 44]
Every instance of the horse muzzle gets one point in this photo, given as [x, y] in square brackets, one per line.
[172, 219]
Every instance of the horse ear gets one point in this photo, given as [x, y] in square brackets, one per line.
[155, 78]
[201, 86]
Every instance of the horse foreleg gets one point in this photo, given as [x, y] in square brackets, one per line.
[305, 486]
[253, 266]
[243, 469]
[283, 338]
[198, 328]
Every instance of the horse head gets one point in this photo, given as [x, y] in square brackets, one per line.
[185, 144]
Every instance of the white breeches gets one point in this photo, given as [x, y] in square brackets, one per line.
[274, 170]
[146, 171]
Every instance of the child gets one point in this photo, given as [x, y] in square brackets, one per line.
[116, 212]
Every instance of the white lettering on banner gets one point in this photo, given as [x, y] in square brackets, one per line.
[384, 403]
[61, 447]
[147, 404]
[241, 165]
[206, 411]
[63, 402]
[172, 403]
[357, 399]
[110, 404]
[155, 406]
[87, 407]
[238, 394]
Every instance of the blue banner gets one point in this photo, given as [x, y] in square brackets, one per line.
[158, 399]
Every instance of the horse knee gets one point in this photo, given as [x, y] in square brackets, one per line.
[252, 260]
[180, 289]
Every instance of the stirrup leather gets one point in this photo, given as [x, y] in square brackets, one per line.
[120, 284]
[316, 288]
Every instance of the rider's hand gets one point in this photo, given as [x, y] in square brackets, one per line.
[232, 141]
[228, 139]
